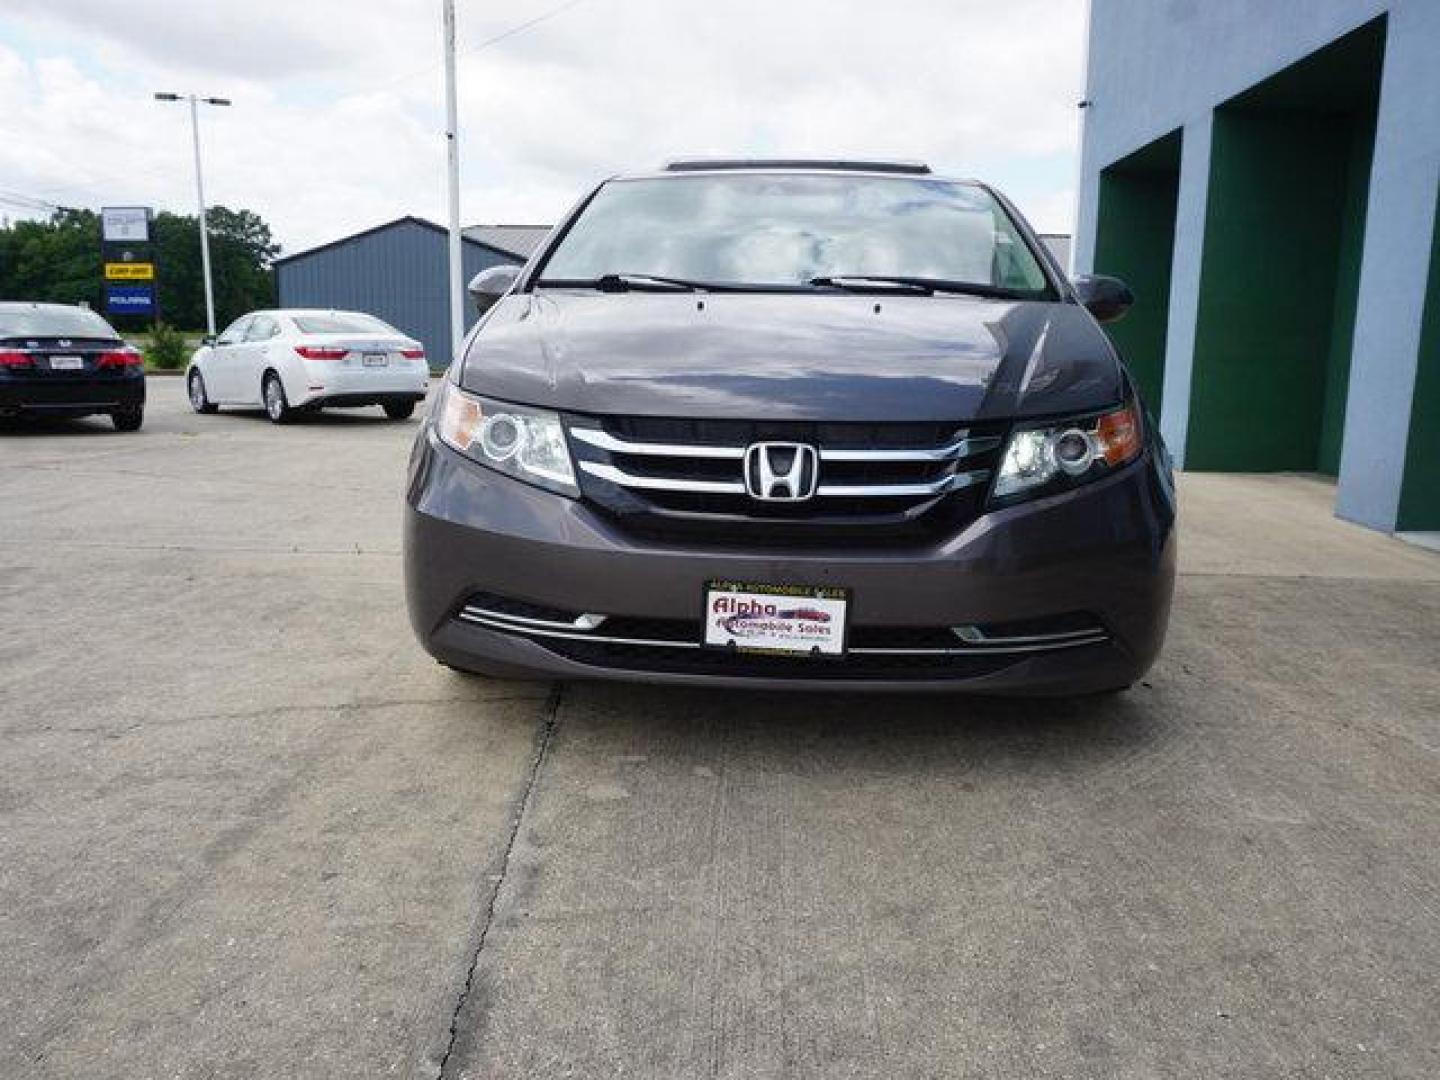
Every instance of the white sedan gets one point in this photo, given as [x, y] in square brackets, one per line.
[286, 361]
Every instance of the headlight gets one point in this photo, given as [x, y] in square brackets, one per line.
[1040, 460]
[528, 444]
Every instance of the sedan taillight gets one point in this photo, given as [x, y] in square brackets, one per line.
[126, 357]
[321, 352]
[14, 358]
[413, 354]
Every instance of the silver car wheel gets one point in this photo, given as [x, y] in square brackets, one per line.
[274, 398]
[197, 392]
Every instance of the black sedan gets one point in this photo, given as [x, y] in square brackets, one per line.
[62, 360]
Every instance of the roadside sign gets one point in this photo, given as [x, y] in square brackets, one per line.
[130, 299]
[125, 224]
[127, 256]
[130, 271]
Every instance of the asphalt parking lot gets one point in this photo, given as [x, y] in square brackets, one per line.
[247, 828]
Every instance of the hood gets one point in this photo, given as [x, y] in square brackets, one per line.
[805, 356]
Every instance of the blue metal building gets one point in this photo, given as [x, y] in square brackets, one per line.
[1265, 173]
[397, 272]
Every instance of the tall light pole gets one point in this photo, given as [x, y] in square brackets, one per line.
[200, 194]
[452, 166]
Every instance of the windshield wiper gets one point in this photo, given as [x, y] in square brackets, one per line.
[627, 283]
[920, 285]
[868, 283]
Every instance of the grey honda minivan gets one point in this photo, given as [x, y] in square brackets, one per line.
[785, 424]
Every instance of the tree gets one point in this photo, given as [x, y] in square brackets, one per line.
[56, 260]
[241, 250]
[59, 260]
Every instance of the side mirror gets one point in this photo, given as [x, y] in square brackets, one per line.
[491, 284]
[1106, 298]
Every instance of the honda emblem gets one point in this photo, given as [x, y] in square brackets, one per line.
[781, 471]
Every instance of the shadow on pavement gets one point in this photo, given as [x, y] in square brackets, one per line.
[50, 425]
[868, 731]
[361, 417]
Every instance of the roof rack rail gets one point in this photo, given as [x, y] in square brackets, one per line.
[908, 168]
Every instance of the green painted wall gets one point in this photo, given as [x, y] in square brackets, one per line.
[1347, 290]
[1268, 363]
[1420, 490]
[1135, 241]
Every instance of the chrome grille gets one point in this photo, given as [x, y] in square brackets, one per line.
[876, 481]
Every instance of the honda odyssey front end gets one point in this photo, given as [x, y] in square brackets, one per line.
[793, 425]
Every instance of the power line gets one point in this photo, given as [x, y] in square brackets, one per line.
[520, 29]
[16, 198]
[96, 183]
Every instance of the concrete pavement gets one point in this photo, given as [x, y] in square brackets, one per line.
[248, 828]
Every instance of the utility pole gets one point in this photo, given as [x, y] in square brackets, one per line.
[452, 166]
[1081, 111]
[200, 195]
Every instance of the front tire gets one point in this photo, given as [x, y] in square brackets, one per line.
[399, 410]
[199, 399]
[277, 406]
[129, 418]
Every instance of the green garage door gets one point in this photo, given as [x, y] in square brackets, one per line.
[1420, 491]
[1285, 224]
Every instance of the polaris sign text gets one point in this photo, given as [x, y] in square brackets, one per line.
[130, 299]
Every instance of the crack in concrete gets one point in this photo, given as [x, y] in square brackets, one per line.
[542, 748]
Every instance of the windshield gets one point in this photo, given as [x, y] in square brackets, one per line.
[45, 320]
[785, 230]
[342, 322]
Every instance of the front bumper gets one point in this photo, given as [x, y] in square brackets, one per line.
[71, 395]
[1107, 550]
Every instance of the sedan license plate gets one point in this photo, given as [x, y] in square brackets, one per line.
[376, 359]
[777, 619]
[66, 363]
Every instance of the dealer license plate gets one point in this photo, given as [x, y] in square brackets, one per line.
[786, 619]
[376, 359]
[66, 363]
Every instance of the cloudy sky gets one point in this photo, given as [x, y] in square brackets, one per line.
[338, 111]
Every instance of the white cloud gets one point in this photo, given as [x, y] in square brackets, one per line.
[337, 117]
